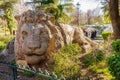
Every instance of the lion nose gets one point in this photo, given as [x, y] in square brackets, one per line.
[33, 45]
[32, 48]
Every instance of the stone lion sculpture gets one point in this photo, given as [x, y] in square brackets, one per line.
[38, 35]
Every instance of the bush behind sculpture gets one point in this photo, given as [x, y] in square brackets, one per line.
[66, 61]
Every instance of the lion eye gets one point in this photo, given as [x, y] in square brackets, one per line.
[24, 33]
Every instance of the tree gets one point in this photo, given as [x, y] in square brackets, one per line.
[79, 17]
[115, 17]
[89, 16]
[113, 13]
[106, 15]
[7, 7]
[58, 8]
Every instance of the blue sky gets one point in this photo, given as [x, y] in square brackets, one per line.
[87, 4]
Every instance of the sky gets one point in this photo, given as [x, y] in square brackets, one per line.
[87, 4]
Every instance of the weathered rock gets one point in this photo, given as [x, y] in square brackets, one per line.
[8, 54]
[38, 35]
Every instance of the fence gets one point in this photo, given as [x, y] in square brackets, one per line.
[9, 71]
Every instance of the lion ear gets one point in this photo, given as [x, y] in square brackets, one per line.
[17, 17]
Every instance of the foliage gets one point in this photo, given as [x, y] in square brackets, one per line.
[106, 19]
[66, 61]
[106, 15]
[58, 9]
[4, 40]
[65, 19]
[71, 49]
[2, 45]
[46, 2]
[93, 57]
[114, 60]
[54, 10]
[105, 35]
[8, 8]
[116, 46]
[101, 68]
[114, 65]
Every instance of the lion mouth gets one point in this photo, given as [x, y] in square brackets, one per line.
[34, 58]
[34, 54]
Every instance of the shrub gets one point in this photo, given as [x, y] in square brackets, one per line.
[116, 46]
[6, 39]
[114, 66]
[114, 60]
[71, 49]
[93, 57]
[66, 61]
[101, 68]
[105, 35]
[2, 45]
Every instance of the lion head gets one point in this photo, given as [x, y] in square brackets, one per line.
[35, 38]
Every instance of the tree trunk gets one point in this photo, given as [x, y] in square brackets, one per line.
[115, 18]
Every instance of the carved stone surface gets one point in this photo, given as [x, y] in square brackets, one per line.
[38, 35]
